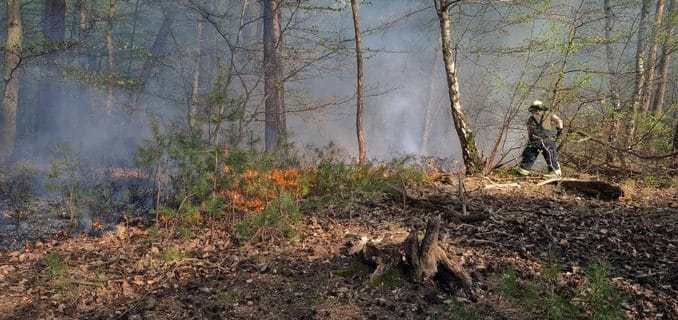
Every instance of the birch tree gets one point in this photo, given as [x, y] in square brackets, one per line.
[469, 151]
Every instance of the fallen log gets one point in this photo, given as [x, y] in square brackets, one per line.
[592, 188]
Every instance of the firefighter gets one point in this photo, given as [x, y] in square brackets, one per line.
[541, 139]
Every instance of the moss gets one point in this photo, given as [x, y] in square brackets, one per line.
[357, 268]
[391, 279]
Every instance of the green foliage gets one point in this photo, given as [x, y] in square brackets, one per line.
[599, 298]
[558, 307]
[57, 270]
[392, 279]
[551, 269]
[278, 218]
[366, 181]
[65, 173]
[508, 283]
[173, 254]
[602, 300]
[16, 185]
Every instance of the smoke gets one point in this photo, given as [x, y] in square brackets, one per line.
[404, 77]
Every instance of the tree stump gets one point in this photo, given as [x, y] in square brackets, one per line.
[426, 258]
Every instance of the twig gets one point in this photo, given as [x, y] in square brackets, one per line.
[629, 151]
[502, 185]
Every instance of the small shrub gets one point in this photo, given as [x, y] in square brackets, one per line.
[57, 271]
[173, 255]
[560, 308]
[602, 300]
[16, 185]
[65, 173]
[508, 283]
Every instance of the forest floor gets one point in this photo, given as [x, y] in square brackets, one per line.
[538, 245]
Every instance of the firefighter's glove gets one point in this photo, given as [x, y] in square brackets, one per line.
[559, 132]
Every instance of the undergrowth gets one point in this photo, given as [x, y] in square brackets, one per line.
[541, 298]
[259, 195]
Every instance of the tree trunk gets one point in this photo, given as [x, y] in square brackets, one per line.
[652, 58]
[639, 87]
[54, 29]
[615, 100]
[135, 19]
[362, 151]
[109, 49]
[195, 93]
[664, 62]
[10, 97]
[275, 130]
[428, 121]
[469, 150]
[156, 49]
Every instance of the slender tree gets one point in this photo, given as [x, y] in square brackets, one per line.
[155, 51]
[469, 150]
[360, 87]
[650, 84]
[665, 59]
[639, 87]
[110, 51]
[274, 103]
[10, 97]
[54, 30]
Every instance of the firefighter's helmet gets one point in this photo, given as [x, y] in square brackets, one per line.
[537, 105]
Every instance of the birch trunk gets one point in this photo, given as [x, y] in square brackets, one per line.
[469, 150]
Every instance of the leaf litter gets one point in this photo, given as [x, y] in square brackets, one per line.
[211, 274]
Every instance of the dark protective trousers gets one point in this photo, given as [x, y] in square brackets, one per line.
[547, 147]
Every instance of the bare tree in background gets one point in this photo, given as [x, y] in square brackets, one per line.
[664, 61]
[469, 150]
[10, 95]
[54, 30]
[360, 87]
[155, 51]
[639, 87]
[275, 130]
[650, 83]
[110, 51]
